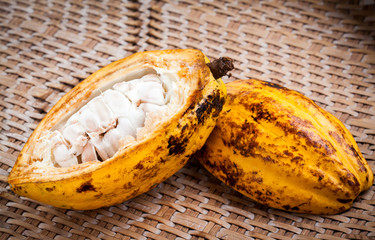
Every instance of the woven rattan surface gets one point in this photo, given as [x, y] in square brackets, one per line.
[326, 50]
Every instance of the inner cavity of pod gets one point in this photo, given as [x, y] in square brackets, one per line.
[115, 116]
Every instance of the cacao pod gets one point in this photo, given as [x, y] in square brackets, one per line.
[120, 132]
[279, 148]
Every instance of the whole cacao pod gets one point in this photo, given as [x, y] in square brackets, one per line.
[279, 148]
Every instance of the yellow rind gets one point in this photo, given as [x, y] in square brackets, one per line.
[279, 148]
[139, 167]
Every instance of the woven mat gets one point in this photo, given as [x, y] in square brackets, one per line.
[325, 50]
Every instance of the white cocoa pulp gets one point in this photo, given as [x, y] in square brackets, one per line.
[109, 121]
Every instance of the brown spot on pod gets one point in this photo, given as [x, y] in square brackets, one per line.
[297, 160]
[344, 200]
[258, 112]
[255, 177]
[50, 189]
[336, 136]
[287, 153]
[177, 145]
[286, 207]
[244, 138]
[273, 85]
[87, 186]
[98, 196]
[362, 168]
[232, 172]
[212, 105]
[138, 166]
[128, 185]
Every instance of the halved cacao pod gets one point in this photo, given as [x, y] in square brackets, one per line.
[75, 158]
[279, 148]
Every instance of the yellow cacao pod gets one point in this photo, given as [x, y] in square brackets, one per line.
[121, 131]
[279, 148]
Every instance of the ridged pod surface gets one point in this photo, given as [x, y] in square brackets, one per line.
[140, 166]
[279, 148]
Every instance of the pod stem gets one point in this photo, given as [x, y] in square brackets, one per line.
[220, 67]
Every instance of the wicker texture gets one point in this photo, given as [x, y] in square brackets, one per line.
[326, 50]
